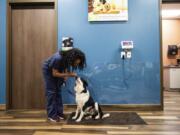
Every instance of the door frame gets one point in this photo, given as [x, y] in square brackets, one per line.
[9, 40]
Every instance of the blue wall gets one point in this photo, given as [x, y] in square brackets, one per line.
[111, 80]
[2, 50]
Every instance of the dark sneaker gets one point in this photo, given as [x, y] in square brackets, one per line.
[53, 120]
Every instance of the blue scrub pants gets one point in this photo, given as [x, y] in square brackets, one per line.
[54, 103]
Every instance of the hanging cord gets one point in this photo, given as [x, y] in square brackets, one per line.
[126, 77]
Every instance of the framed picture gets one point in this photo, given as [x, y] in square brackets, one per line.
[107, 10]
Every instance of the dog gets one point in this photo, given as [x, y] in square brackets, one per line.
[86, 107]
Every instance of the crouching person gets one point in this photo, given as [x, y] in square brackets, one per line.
[56, 70]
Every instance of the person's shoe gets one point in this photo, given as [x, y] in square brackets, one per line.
[53, 120]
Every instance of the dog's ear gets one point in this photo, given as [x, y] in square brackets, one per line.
[84, 82]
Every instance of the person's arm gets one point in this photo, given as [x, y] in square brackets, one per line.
[56, 73]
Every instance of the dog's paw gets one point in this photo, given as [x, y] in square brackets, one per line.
[88, 117]
[78, 120]
[97, 117]
[74, 117]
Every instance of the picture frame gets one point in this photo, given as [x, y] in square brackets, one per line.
[107, 10]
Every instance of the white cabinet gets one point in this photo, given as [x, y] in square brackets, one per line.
[172, 78]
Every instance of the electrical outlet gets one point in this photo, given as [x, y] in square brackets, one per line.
[128, 55]
[123, 55]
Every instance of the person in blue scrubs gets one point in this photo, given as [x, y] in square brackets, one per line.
[56, 70]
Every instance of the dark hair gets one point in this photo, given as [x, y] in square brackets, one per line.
[69, 57]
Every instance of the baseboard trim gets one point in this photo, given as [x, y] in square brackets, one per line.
[124, 107]
[2, 107]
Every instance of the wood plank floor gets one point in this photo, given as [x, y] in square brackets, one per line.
[165, 122]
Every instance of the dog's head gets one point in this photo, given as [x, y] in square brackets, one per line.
[80, 85]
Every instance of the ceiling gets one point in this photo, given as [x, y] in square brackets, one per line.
[171, 11]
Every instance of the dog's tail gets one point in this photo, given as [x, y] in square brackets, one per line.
[106, 115]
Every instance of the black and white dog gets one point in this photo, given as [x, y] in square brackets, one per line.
[85, 103]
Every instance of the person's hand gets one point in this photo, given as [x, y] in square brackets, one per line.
[72, 74]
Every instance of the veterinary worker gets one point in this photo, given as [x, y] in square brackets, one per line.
[56, 70]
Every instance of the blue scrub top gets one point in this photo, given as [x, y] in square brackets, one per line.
[53, 62]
